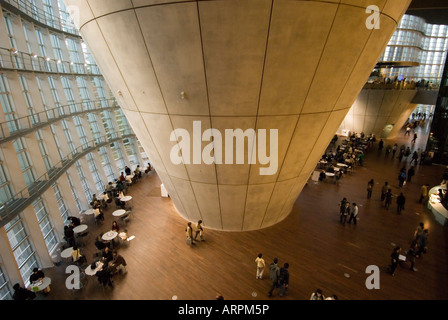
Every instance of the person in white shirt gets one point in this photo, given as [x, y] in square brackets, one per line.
[353, 214]
[260, 266]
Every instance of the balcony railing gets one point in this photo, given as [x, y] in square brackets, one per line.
[18, 202]
[11, 129]
[39, 15]
[10, 58]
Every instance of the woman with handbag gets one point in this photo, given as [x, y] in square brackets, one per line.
[189, 232]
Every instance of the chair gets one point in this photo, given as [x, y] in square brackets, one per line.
[126, 217]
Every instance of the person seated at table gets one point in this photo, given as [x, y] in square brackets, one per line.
[99, 215]
[107, 255]
[69, 236]
[106, 198]
[123, 235]
[94, 200]
[115, 226]
[330, 169]
[322, 175]
[104, 275]
[122, 178]
[74, 221]
[109, 189]
[21, 294]
[100, 244]
[77, 256]
[148, 168]
[118, 264]
[119, 203]
[36, 276]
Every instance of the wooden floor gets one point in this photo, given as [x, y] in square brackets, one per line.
[321, 252]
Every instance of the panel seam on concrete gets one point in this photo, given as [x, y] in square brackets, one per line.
[209, 110]
[304, 101]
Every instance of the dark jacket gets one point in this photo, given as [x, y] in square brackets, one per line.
[274, 272]
[284, 276]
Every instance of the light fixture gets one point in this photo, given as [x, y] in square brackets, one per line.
[47, 58]
[183, 95]
[13, 50]
[59, 61]
[34, 55]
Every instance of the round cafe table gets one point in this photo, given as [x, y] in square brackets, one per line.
[91, 272]
[110, 235]
[80, 229]
[41, 285]
[119, 212]
[126, 198]
[88, 212]
[67, 253]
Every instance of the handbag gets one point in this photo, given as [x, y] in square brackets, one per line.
[188, 241]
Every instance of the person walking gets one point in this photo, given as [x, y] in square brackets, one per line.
[415, 138]
[370, 185]
[259, 261]
[189, 232]
[199, 231]
[384, 189]
[411, 173]
[388, 199]
[394, 150]
[345, 213]
[274, 273]
[353, 214]
[284, 280]
[394, 260]
[401, 200]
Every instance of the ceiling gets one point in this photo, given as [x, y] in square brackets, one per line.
[433, 11]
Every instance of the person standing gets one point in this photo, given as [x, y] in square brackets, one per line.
[284, 280]
[388, 199]
[317, 295]
[401, 177]
[274, 273]
[418, 232]
[394, 260]
[353, 214]
[370, 185]
[415, 138]
[345, 213]
[411, 254]
[422, 243]
[401, 200]
[21, 293]
[199, 231]
[259, 261]
[424, 193]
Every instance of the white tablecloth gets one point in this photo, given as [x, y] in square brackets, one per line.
[81, 228]
[110, 235]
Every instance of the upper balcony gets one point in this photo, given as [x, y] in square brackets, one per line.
[32, 13]
[12, 59]
[15, 128]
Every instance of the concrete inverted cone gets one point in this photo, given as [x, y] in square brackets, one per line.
[290, 68]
